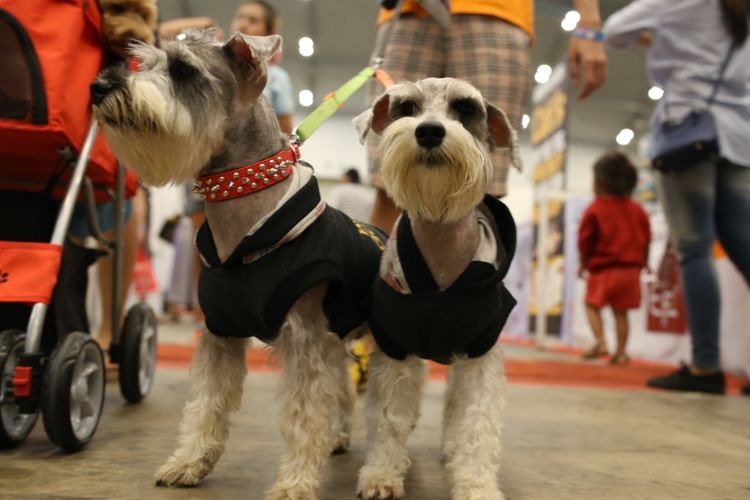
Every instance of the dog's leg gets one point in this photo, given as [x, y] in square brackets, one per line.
[341, 428]
[474, 425]
[218, 372]
[309, 390]
[449, 410]
[394, 396]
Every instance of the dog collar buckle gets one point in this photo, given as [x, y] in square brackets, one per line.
[247, 179]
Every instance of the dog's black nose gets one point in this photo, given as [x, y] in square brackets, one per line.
[99, 90]
[430, 134]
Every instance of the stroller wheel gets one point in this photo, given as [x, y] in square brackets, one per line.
[74, 393]
[14, 425]
[138, 354]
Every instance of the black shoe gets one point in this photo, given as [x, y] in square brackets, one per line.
[746, 390]
[684, 380]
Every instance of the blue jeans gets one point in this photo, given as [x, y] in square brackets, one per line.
[703, 202]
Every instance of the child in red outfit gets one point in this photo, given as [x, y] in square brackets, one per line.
[613, 243]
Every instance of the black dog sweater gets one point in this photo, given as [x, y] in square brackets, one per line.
[411, 316]
[249, 296]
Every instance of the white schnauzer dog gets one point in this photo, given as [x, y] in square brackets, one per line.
[439, 294]
[277, 263]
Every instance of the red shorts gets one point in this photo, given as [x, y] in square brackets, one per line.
[618, 287]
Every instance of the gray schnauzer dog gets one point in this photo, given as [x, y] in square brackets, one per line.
[439, 294]
[277, 263]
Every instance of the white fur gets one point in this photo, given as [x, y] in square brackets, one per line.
[218, 372]
[394, 396]
[438, 193]
[472, 425]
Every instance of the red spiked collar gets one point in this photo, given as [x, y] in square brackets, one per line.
[249, 179]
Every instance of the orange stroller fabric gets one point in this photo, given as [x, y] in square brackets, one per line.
[28, 271]
[54, 52]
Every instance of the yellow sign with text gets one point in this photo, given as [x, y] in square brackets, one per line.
[549, 116]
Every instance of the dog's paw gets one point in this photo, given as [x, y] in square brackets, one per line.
[340, 444]
[182, 474]
[285, 493]
[478, 493]
[378, 487]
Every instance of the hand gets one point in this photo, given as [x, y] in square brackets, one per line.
[644, 40]
[582, 273]
[589, 57]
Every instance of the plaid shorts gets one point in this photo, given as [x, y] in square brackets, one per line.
[489, 53]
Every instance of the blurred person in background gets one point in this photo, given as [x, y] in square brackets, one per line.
[487, 43]
[698, 53]
[260, 18]
[351, 197]
[613, 242]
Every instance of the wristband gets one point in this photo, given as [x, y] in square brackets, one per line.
[589, 34]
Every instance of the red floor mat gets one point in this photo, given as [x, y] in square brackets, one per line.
[571, 373]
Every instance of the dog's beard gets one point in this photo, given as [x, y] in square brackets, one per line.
[157, 137]
[441, 184]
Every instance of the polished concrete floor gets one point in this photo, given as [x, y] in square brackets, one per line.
[559, 443]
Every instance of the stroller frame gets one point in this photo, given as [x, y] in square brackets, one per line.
[68, 386]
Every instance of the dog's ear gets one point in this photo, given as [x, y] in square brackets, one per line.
[250, 55]
[362, 122]
[502, 134]
[376, 118]
[253, 49]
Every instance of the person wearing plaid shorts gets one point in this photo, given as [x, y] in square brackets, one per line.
[488, 45]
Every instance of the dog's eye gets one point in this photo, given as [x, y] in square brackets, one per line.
[407, 108]
[180, 70]
[116, 9]
[464, 107]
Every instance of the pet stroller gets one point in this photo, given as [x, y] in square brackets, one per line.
[50, 162]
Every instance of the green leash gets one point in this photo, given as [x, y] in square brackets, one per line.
[335, 100]
[331, 104]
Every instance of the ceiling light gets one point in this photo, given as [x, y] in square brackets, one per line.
[624, 137]
[543, 73]
[655, 93]
[306, 46]
[306, 98]
[570, 21]
[525, 121]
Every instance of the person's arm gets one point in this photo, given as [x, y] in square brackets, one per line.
[647, 231]
[625, 27]
[283, 100]
[586, 239]
[587, 59]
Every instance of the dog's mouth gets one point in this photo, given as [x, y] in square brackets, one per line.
[109, 113]
[433, 157]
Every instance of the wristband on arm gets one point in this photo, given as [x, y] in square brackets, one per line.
[589, 34]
